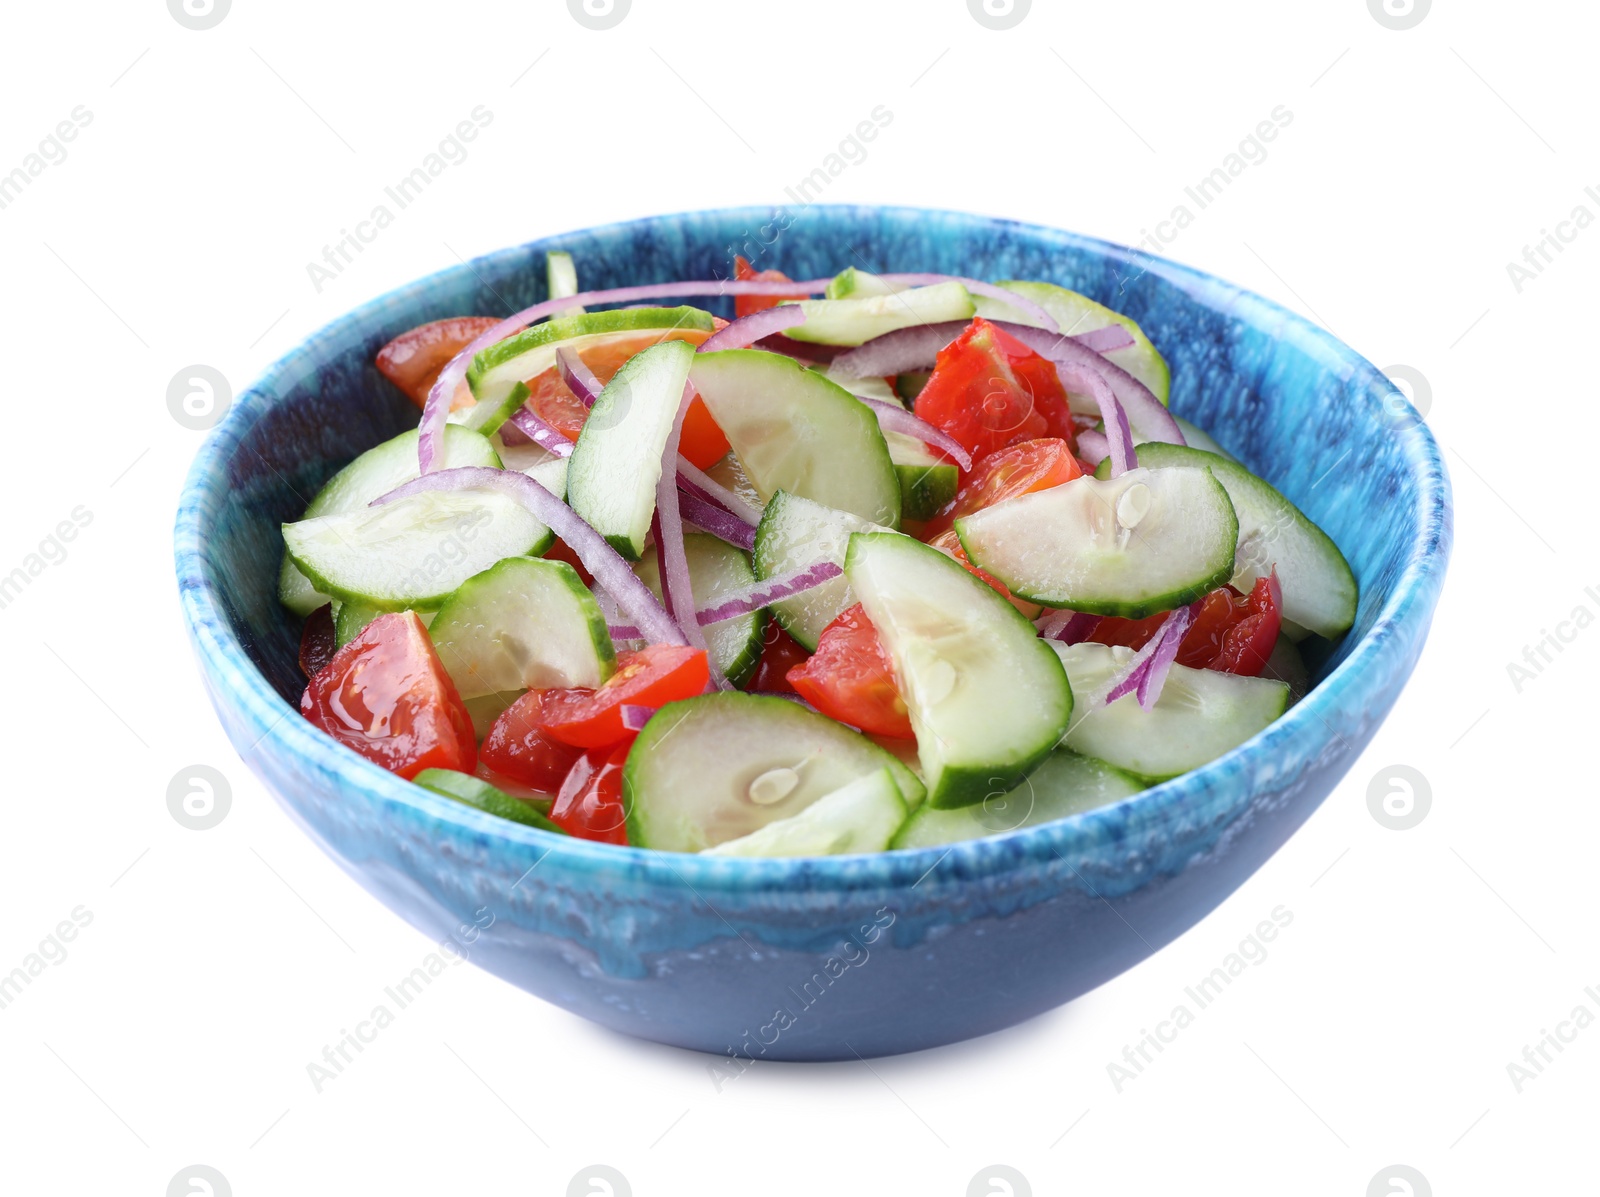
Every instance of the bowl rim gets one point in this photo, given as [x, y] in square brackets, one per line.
[1301, 733]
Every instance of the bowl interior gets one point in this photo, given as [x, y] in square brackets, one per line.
[1292, 403]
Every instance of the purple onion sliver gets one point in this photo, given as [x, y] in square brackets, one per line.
[913, 348]
[1160, 664]
[804, 350]
[1093, 446]
[1105, 340]
[624, 631]
[747, 330]
[676, 587]
[602, 561]
[1154, 420]
[770, 591]
[894, 418]
[635, 716]
[540, 433]
[709, 517]
[709, 488]
[580, 380]
[1119, 438]
[1069, 627]
[1134, 670]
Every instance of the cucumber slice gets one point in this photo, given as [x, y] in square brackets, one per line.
[1079, 314]
[1201, 714]
[859, 817]
[796, 533]
[480, 795]
[1286, 665]
[927, 480]
[1065, 784]
[523, 623]
[794, 430]
[414, 551]
[376, 472]
[865, 388]
[852, 321]
[1198, 438]
[729, 473]
[690, 777]
[561, 277]
[538, 463]
[616, 464]
[1319, 591]
[988, 699]
[351, 618]
[716, 570]
[486, 708]
[1148, 541]
[498, 369]
[851, 283]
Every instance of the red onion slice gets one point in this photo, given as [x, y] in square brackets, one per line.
[803, 351]
[670, 555]
[1069, 627]
[713, 519]
[710, 489]
[633, 597]
[1105, 340]
[634, 716]
[1155, 676]
[917, 347]
[751, 598]
[540, 433]
[747, 330]
[580, 380]
[1154, 420]
[894, 418]
[1093, 446]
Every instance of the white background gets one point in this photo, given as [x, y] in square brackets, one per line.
[177, 230]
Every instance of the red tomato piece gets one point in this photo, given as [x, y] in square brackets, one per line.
[850, 678]
[989, 390]
[1019, 469]
[560, 550]
[412, 360]
[780, 652]
[386, 696]
[518, 748]
[590, 805]
[744, 305]
[1231, 632]
[649, 677]
[318, 641]
[702, 443]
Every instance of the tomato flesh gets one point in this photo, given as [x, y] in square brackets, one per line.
[519, 748]
[412, 360]
[1018, 469]
[850, 678]
[744, 305]
[989, 390]
[650, 677]
[1232, 632]
[318, 641]
[780, 652]
[386, 696]
[590, 805]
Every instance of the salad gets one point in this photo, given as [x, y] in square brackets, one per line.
[887, 561]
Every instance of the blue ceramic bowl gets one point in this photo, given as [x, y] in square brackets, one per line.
[827, 958]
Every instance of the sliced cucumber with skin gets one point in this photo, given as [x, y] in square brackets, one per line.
[496, 370]
[718, 767]
[486, 708]
[543, 466]
[561, 277]
[523, 623]
[480, 795]
[730, 474]
[376, 472]
[794, 534]
[415, 551]
[927, 480]
[1064, 784]
[1285, 665]
[1148, 541]
[988, 699]
[1076, 314]
[865, 388]
[794, 430]
[860, 817]
[851, 283]
[1319, 591]
[716, 570]
[1201, 714]
[854, 321]
[487, 416]
[616, 464]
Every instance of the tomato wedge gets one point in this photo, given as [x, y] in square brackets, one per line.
[412, 360]
[590, 805]
[386, 696]
[1016, 470]
[989, 390]
[850, 678]
[518, 748]
[650, 677]
[744, 305]
[1232, 632]
[318, 641]
[780, 652]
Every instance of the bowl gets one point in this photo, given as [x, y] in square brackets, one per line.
[841, 957]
